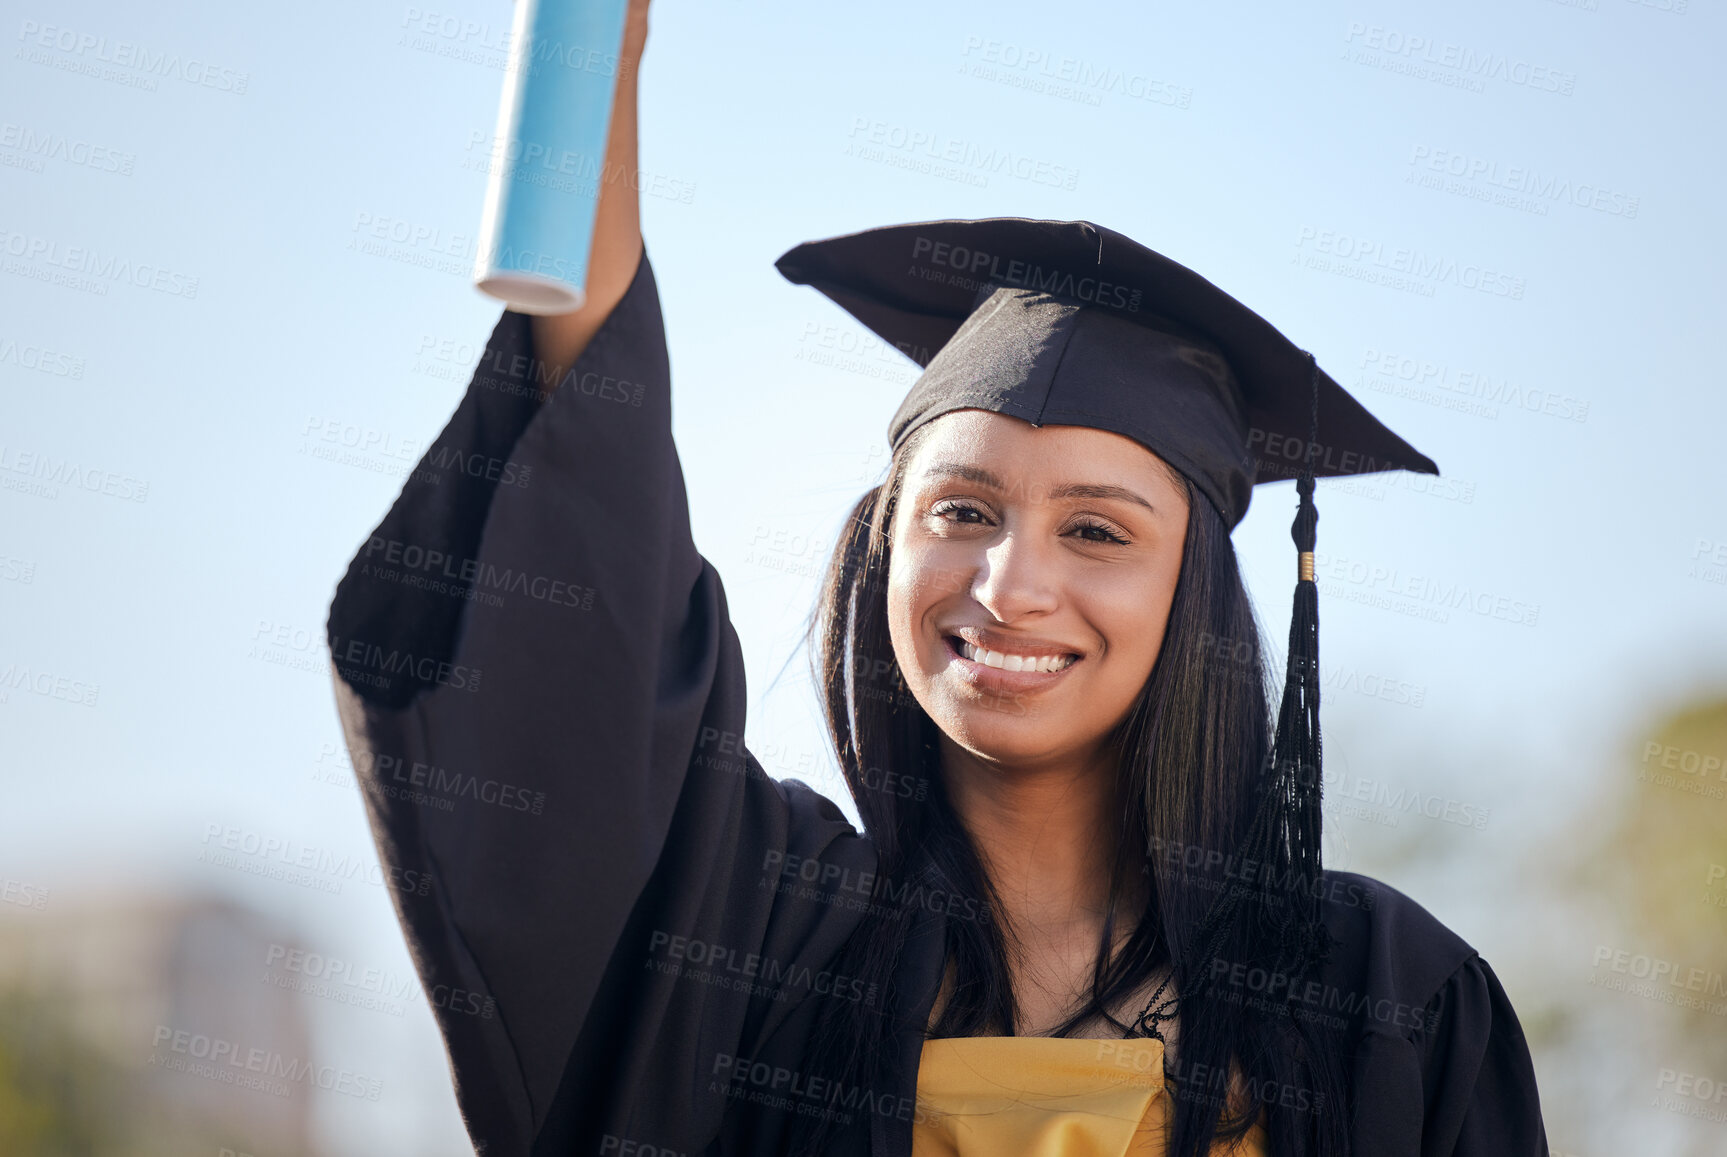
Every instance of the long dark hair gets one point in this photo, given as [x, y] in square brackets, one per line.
[1193, 756]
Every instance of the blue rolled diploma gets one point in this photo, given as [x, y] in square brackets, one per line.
[548, 155]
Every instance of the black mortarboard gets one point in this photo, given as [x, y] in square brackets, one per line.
[1069, 323]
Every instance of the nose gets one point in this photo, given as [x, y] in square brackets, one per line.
[1016, 577]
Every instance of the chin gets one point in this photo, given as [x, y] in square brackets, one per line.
[1007, 731]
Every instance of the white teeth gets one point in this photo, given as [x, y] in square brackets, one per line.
[1009, 662]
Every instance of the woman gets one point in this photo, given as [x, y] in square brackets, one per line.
[1081, 918]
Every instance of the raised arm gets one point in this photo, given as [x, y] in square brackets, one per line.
[544, 699]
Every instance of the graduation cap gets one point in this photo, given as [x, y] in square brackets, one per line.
[1070, 323]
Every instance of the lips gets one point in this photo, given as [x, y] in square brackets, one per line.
[1002, 663]
[1006, 661]
[1010, 643]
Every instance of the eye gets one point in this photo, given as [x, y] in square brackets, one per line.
[969, 514]
[1086, 528]
[954, 506]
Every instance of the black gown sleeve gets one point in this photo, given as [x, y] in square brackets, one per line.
[544, 699]
[1460, 1084]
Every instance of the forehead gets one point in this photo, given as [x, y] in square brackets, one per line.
[1024, 455]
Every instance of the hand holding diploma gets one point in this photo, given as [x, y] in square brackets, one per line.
[554, 240]
[560, 338]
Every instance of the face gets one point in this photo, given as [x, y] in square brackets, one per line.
[1031, 579]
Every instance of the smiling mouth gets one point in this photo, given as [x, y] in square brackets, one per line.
[1007, 661]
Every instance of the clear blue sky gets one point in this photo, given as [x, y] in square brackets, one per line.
[1555, 163]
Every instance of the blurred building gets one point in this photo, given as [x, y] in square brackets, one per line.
[140, 1025]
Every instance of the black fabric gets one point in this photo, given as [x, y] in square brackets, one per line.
[1051, 361]
[572, 777]
[1070, 323]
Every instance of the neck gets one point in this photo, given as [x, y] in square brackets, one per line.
[1046, 833]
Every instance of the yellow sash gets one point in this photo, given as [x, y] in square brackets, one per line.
[1030, 1096]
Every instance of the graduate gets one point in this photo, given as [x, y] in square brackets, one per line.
[1086, 913]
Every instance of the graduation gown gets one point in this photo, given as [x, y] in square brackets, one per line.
[623, 926]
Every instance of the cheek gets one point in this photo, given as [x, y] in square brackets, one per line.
[1138, 618]
[899, 614]
[920, 577]
[907, 602]
[903, 608]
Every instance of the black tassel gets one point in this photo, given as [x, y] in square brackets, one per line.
[1296, 763]
[1282, 897]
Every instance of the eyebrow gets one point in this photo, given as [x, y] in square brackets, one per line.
[1065, 490]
